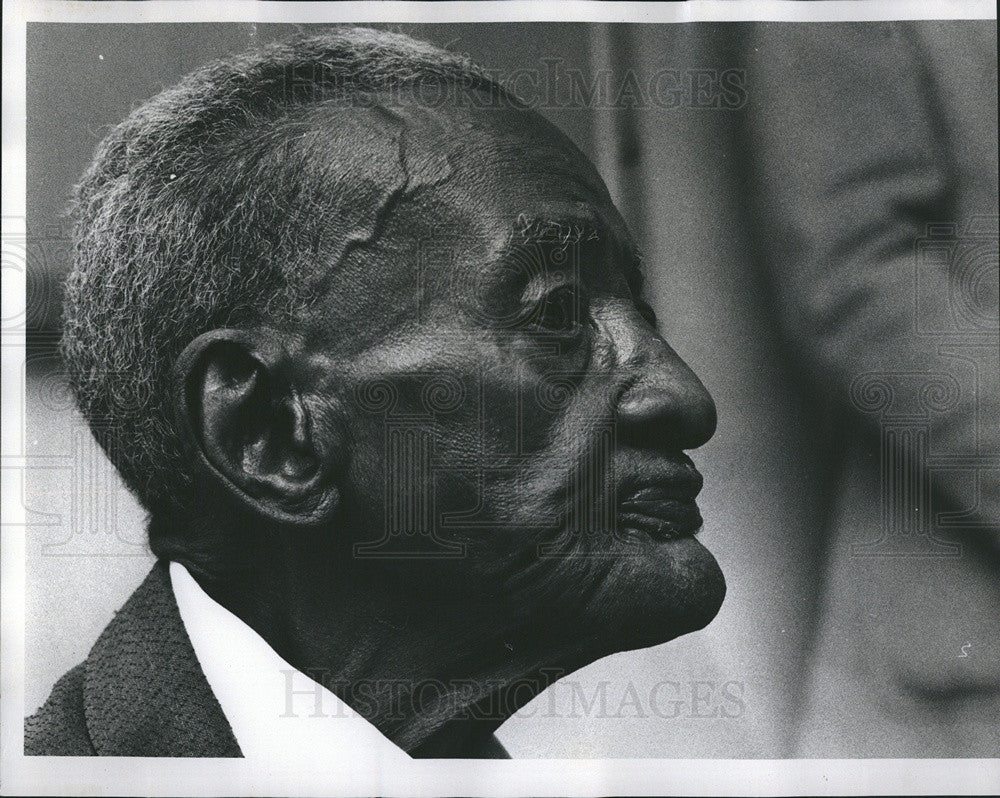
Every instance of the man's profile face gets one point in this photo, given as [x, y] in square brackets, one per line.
[515, 422]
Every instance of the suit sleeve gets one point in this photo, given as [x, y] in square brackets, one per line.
[59, 728]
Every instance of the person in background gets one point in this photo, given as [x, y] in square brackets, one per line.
[869, 160]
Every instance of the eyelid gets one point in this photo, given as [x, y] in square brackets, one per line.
[538, 295]
[646, 311]
[543, 283]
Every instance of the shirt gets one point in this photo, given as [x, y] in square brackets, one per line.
[279, 716]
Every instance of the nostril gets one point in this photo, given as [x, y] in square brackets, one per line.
[642, 405]
[678, 417]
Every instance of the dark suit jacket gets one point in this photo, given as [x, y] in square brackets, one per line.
[140, 692]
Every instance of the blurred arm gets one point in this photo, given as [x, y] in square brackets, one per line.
[848, 164]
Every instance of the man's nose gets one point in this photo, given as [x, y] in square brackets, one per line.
[664, 404]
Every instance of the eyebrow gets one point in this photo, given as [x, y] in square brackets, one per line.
[571, 231]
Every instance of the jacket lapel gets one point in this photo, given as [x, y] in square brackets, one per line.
[144, 693]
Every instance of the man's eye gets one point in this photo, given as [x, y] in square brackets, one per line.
[646, 312]
[560, 311]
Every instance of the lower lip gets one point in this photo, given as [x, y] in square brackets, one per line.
[663, 519]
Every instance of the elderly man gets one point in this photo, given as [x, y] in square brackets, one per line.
[377, 366]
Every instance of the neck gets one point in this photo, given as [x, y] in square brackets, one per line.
[435, 676]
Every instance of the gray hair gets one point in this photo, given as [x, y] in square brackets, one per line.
[197, 213]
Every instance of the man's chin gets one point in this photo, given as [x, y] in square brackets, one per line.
[662, 591]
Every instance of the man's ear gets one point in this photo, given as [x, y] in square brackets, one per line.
[254, 431]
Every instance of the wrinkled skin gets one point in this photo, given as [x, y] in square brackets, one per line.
[479, 357]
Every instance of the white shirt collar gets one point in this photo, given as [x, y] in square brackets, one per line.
[278, 714]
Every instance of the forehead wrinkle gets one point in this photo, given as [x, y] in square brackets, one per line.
[357, 157]
[371, 160]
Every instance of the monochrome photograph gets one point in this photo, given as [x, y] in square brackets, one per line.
[401, 399]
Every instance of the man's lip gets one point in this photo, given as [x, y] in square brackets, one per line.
[657, 495]
[663, 518]
[640, 477]
[650, 494]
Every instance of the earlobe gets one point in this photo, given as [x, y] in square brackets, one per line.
[251, 427]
